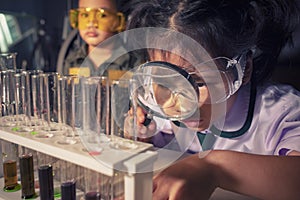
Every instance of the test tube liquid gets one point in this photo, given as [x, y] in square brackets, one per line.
[27, 176]
[10, 157]
[10, 175]
[68, 190]
[46, 182]
[92, 196]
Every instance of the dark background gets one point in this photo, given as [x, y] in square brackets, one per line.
[31, 14]
[54, 30]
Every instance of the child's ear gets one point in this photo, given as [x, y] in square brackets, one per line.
[248, 69]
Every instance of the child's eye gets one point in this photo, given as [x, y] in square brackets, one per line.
[199, 81]
[201, 84]
[84, 15]
[103, 15]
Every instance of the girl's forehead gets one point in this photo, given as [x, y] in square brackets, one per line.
[108, 4]
[182, 61]
[169, 57]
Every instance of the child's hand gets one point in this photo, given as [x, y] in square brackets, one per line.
[190, 178]
[144, 133]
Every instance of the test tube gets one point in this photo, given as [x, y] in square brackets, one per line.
[68, 190]
[27, 176]
[68, 180]
[92, 185]
[9, 152]
[46, 182]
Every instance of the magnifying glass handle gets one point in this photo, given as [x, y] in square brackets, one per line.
[147, 120]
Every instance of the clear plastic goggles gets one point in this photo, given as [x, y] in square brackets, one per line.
[170, 92]
[100, 18]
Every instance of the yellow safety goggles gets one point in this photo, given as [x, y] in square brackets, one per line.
[100, 18]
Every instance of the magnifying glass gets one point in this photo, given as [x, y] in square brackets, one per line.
[170, 92]
[166, 91]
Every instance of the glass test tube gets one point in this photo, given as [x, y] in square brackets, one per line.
[10, 155]
[46, 182]
[27, 176]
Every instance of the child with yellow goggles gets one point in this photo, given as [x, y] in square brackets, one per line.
[102, 19]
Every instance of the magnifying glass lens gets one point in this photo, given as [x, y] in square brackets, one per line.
[166, 91]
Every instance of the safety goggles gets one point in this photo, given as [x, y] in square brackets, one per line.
[171, 92]
[100, 18]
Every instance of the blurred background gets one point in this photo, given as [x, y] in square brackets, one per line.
[37, 29]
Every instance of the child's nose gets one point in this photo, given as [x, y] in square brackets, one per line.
[93, 22]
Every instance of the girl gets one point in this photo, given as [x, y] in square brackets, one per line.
[255, 150]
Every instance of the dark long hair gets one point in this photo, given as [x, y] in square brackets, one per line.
[224, 27]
